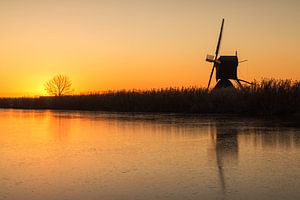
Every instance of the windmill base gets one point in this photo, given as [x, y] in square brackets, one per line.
[223, 83]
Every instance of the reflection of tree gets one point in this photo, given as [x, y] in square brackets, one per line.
[226, 146]
[59, 126]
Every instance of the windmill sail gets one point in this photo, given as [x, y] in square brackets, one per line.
[217, 53]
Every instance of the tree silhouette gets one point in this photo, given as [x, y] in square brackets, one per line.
[59, 85]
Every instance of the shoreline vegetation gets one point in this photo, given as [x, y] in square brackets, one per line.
[266, 97]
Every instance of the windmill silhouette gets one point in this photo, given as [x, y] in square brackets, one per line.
[226, 67]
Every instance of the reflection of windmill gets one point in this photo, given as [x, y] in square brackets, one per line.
[226, 67]
[226, 148]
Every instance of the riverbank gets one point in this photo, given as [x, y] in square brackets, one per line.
[268, 97]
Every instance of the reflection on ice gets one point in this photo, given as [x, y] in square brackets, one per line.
[94, 155]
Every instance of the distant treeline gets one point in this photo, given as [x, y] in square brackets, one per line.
[267, 97]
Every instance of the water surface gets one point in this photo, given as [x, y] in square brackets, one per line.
[110, 156]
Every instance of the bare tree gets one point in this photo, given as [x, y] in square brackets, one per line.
[59, 85]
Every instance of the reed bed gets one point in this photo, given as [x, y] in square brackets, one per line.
[265, 97]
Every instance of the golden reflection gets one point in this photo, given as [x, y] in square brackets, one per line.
[59, 126]
[72, 155]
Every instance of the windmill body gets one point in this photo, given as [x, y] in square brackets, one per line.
[226, 67]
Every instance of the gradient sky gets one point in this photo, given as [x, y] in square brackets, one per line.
[104, 45]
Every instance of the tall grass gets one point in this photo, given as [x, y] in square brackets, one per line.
[266, 97]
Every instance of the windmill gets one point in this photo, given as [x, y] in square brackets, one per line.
[226, 67]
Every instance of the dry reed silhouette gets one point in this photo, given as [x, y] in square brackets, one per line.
[266, 97]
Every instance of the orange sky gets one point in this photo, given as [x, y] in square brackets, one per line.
[108, 44]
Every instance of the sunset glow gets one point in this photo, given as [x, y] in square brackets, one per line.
[125, 44]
